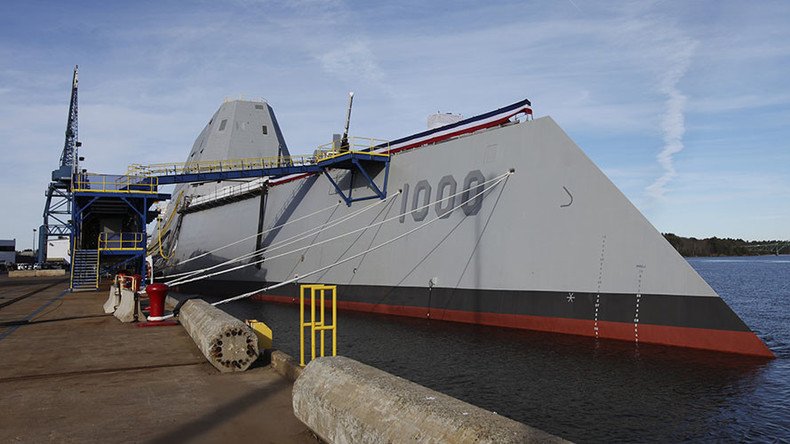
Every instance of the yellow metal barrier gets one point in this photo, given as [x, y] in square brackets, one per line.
[121, 241]
[263, 332]
[319, 324]
[109, 183]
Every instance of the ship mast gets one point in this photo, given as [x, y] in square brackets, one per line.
[344, 141]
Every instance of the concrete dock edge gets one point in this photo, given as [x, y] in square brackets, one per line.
[345, 401]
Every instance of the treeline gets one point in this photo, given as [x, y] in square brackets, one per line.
[714, 246]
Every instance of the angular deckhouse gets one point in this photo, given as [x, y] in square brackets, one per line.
[492, 220]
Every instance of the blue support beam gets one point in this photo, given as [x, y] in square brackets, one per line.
[354, 161]
[241, 174]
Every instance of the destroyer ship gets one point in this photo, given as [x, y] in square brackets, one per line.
[498, 219]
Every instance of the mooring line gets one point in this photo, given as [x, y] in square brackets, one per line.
[250, 237]
[189, 279]
[179, 277]
[419, 227]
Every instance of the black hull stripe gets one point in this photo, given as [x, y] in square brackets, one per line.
[676, 311]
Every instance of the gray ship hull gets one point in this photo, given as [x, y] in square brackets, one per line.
[553, 247]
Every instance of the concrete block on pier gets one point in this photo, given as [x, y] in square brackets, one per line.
[228, 343]
[127, 306]
[36, 273]
[344, 401]
[285, 365]
[113, 300]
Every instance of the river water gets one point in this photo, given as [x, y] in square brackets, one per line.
[587, 390]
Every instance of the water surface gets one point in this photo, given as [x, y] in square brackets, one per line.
[587, 390]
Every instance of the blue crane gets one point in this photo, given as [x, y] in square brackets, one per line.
[57, 207]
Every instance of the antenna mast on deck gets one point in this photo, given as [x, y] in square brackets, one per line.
[344, 141]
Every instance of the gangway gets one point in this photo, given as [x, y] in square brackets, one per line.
[110, 212]
[365, 162]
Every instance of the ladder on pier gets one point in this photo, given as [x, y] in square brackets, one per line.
[85, 270]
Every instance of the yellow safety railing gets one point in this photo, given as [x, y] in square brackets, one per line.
[98, 268]
[74, 241]
[109, 183]
[355, 144]
[324, 152]
[319, 324]
[214, 166]
[121, 241]
[322, 156]
[152, 249]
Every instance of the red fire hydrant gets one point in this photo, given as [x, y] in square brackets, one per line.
[156, 294]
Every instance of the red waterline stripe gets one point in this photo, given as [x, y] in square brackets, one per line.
[727, 341]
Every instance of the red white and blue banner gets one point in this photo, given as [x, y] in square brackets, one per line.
[466, 126]
[437, 135]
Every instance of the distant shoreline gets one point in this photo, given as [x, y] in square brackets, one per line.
[726, 247]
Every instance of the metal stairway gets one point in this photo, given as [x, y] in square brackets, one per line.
[85, 270]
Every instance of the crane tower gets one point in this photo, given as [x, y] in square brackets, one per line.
[57, 208]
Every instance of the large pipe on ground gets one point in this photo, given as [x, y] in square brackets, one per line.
[228, 343]
[344, 401]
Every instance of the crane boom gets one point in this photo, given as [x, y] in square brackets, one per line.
[57, 207]
[68, 158]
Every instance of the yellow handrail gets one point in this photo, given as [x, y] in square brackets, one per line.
[323, 153]
[120, 241]
[73, 256]
[355, 144]
[319, 325]
[98, 268]
[109, 183]
[178, 202]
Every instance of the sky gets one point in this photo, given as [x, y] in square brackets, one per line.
[684, 105]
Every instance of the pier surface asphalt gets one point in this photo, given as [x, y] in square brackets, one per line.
[74, 374]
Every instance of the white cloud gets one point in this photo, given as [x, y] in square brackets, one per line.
[353, 61]
[673, 119]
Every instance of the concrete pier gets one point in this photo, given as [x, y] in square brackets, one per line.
[345, 401]
[71, 373]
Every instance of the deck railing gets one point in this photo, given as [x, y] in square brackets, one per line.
[121, 241]
[324, 152]
[111, 183]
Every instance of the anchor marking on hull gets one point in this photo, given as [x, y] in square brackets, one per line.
[569, 195]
